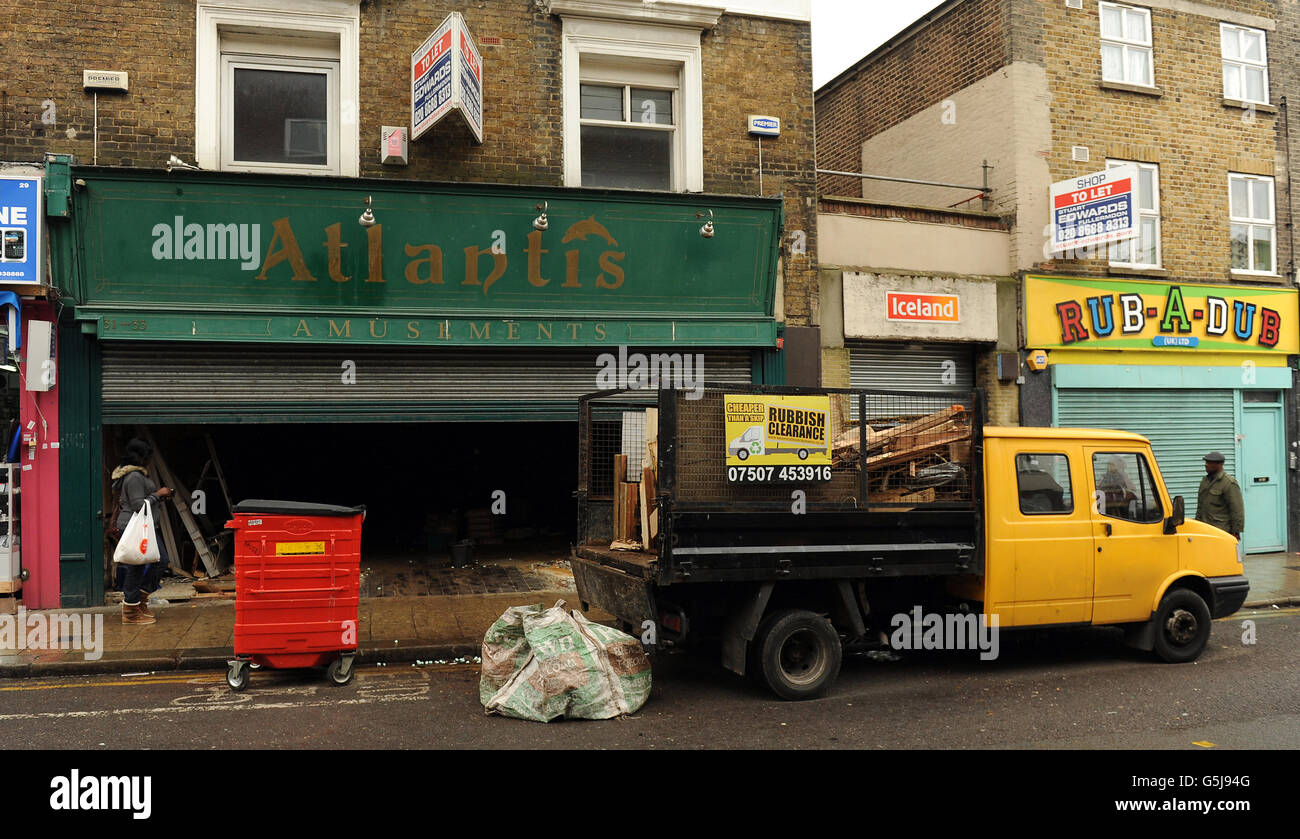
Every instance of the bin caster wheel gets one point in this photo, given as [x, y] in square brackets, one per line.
[340, 670]
[237, 675]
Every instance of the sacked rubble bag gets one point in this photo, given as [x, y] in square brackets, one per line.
[561, 665]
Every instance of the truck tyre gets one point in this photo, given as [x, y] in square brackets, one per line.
[799, 653]
[1182, 626]
[742, 453]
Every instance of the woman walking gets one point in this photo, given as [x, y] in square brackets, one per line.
[132, 482]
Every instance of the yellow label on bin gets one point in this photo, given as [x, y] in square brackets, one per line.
[299, 548]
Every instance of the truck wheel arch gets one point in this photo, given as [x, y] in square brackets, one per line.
[1187, 580]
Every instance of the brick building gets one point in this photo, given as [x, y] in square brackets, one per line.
[1186, 333]
[471, 288]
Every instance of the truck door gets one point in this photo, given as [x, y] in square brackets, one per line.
[1047, 531]
[1133, 554]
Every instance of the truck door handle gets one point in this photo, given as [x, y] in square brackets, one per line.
[1108, 528]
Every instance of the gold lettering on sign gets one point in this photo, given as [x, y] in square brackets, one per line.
[444, 330]
[607, 260]
[289, 250]
[535, 251]
[544, 329]
[571, 270]
[433, 260]
[334, 244]
[375, 246]
[600, 332]
[472, 255]
[475, 332]
[575, 327]
[345, 332]
[383, 334]
[512, 331]
[412, 329]
[302, 329]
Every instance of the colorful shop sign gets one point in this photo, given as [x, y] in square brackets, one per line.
[775, 439]
[1102, 314]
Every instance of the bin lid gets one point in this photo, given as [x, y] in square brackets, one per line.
[294, 508]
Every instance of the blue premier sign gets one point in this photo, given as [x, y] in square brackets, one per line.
[20, 230]
[1094, 209]
[446, 76]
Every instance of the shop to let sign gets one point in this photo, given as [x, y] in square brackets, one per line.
[446, 76]
[936, 308]
[1080, 313]
[20, 230]
[1094, 209]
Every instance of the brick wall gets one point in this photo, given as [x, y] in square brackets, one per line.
[962, 45]
[1188, 130]
[154, 41]
[1284, 81]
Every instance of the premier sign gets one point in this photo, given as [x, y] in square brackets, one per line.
[446, 76]
[1094, 209]
[935, 308]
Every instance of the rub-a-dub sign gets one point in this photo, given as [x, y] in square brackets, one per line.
[1079, 313]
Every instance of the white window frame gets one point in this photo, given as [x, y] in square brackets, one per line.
[635, 44]
[1126, 44]
[287, 38]
[1239, 65]
[1251, 221]
[605, 75]
[1154, 168]
[231, 61]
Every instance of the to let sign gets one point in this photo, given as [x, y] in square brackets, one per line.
[1094, 209]
[938, 308]
[446, 76]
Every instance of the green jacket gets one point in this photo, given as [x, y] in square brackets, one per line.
[1218, 502]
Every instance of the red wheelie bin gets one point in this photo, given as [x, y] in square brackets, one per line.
[297, 587]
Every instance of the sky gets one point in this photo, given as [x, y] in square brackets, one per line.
[845, 30]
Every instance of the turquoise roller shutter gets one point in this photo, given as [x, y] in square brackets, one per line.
[1182, 425]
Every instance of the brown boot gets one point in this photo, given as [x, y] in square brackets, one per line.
[144, 605]
[131, 614]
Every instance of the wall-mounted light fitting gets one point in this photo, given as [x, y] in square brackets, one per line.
[540, 223]
[174, 162]
[707, 230]
[367, 218]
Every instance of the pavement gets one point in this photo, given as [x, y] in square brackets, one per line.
[199, 635]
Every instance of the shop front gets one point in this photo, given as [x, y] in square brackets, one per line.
[415, 347]
[917, 333]
[1195, 368]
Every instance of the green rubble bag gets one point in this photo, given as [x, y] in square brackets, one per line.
[567, 666]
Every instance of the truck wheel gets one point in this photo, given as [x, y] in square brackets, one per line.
[742, 454]
[803, 454]
[799, 653]
[1182, 626]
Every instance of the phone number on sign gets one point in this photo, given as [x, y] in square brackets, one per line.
[773, 474]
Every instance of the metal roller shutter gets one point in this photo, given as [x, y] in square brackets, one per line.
[265, 383]
[1182, 425]
[920, 368]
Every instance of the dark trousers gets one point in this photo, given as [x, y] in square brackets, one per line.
[133, 579]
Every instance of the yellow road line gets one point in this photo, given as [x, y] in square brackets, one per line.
[153, 680]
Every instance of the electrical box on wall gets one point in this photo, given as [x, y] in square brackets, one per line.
[1008, 366]
[40, 355]
[393, 145]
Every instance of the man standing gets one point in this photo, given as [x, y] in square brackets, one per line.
[1218, 501]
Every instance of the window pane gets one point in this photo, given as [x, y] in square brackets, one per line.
[1259, 203]
[1135, 26]
[1146, 189]
[1137, 66]
[1043, 481]
[652, 107]
[1150, 237]
[1121, 251]
[1111, 23]
[1112, 63]
[1228, 37]
[601, 102]
[1127, 491]
[1240, 248]
[629, 158]
[1255, 84]
[281, 116]
[1232, 81]
[1262, 243]
[1252, 46]
[1237, 199]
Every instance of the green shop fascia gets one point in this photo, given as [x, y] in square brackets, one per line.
[203, 297]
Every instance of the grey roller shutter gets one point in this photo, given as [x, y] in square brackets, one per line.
[917, 368]
[1182, 425]
[184, 383]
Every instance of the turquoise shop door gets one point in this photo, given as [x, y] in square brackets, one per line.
[1263, 482]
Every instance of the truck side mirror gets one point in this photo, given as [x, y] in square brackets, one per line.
[1179, 516]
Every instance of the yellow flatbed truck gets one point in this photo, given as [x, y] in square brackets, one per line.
[1040, 527]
